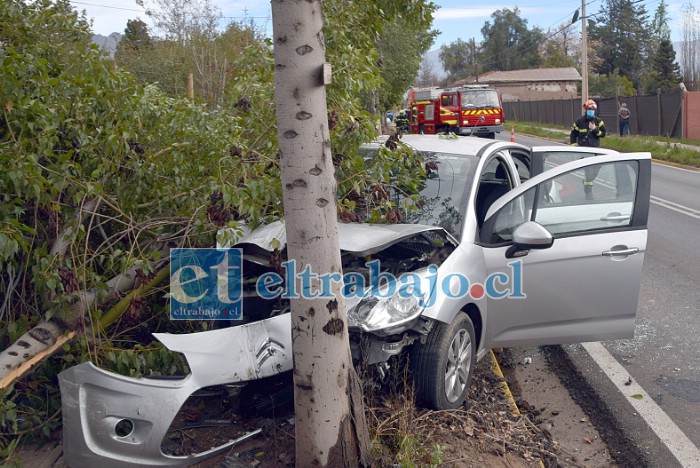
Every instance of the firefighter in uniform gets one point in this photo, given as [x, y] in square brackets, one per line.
[402, 122]
[587, 131]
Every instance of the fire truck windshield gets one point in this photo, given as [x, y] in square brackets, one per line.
[480, 98]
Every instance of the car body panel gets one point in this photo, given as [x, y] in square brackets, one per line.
[579, 289]
[574, 293]
[355, 238]
[95, 401]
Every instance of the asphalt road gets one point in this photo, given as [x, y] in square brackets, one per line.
[664, 356]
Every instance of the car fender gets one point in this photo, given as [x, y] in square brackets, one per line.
[467, 261]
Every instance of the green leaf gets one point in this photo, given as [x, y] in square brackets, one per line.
[637, 396]
[275, 244]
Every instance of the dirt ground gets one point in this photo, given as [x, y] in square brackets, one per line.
[550, 431]
[487, 433]
[484, 434]
[539, 393]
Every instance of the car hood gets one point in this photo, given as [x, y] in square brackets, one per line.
[356, 238]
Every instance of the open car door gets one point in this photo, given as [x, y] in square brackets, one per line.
[545, 158]
[578, 231]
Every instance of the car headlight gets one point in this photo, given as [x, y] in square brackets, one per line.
[498, 121]
[387, 314]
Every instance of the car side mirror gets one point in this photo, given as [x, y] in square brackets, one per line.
[529, 235]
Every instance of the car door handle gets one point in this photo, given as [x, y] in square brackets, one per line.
[620, 253]
[616, 217]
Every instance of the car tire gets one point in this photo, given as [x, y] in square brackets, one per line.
[442, 366]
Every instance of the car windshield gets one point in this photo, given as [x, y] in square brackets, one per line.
[445, 193]
[479, 98]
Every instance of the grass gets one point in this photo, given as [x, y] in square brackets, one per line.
[401, 434]
[661, 148]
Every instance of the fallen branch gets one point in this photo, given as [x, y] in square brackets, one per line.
[120, 307]
[34, 346]
[40, 342]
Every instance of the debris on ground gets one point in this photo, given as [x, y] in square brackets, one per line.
[484, 433]
[259, 414]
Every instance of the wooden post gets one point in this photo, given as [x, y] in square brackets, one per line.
[658, 112]
[617, 107]
[636, 115]
[190, 87]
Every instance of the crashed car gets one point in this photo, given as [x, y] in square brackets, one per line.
[518, 246]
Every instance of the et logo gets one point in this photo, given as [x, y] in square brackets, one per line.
[206, 284]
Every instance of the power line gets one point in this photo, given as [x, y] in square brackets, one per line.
[491, 60]
[106, 6]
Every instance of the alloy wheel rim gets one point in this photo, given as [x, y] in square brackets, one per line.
[458, 367]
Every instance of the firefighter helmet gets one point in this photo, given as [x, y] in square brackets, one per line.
[590, 104]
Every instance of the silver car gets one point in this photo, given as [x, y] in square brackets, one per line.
[511, 246]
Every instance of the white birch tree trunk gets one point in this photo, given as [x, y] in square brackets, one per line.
[330, 424]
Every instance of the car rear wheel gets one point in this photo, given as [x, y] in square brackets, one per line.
[442, 366]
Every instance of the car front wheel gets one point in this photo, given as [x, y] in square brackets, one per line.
[442, 366]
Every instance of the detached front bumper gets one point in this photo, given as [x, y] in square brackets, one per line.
[112, 420]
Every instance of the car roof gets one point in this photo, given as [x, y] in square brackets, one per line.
[452, 144]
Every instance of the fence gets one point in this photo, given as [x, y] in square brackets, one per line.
[655, 115]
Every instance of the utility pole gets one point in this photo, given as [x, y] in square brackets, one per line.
[190, 87]
[584, 55]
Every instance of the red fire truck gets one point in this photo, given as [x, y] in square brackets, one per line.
[467, 110]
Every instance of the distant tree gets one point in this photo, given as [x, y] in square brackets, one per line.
[621, 31]
[406, 36]
[690, 48]
[460, 59]
[660, 28]
[179, 19]
[610, 85]
[665, 73]
[426, 74]
[561, 49]
[136, 37]
[508, 43]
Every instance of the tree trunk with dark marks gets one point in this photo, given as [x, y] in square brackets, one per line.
[330, 425]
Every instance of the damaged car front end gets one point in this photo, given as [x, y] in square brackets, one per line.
[116, 420]
[487, 216]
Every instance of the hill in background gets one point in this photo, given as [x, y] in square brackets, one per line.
[107, 43]
[433, 58]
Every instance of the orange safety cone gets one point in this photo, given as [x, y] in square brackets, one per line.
[512, 134]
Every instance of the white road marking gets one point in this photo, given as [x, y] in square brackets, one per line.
[695, 171]
[675, 440]
[676, 207]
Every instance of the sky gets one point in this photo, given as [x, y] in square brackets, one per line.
[455, 19]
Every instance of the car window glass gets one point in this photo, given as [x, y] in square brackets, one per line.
[494, 182]
[522, 163]
[444, 195]
[553, 159]
[595, 198]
